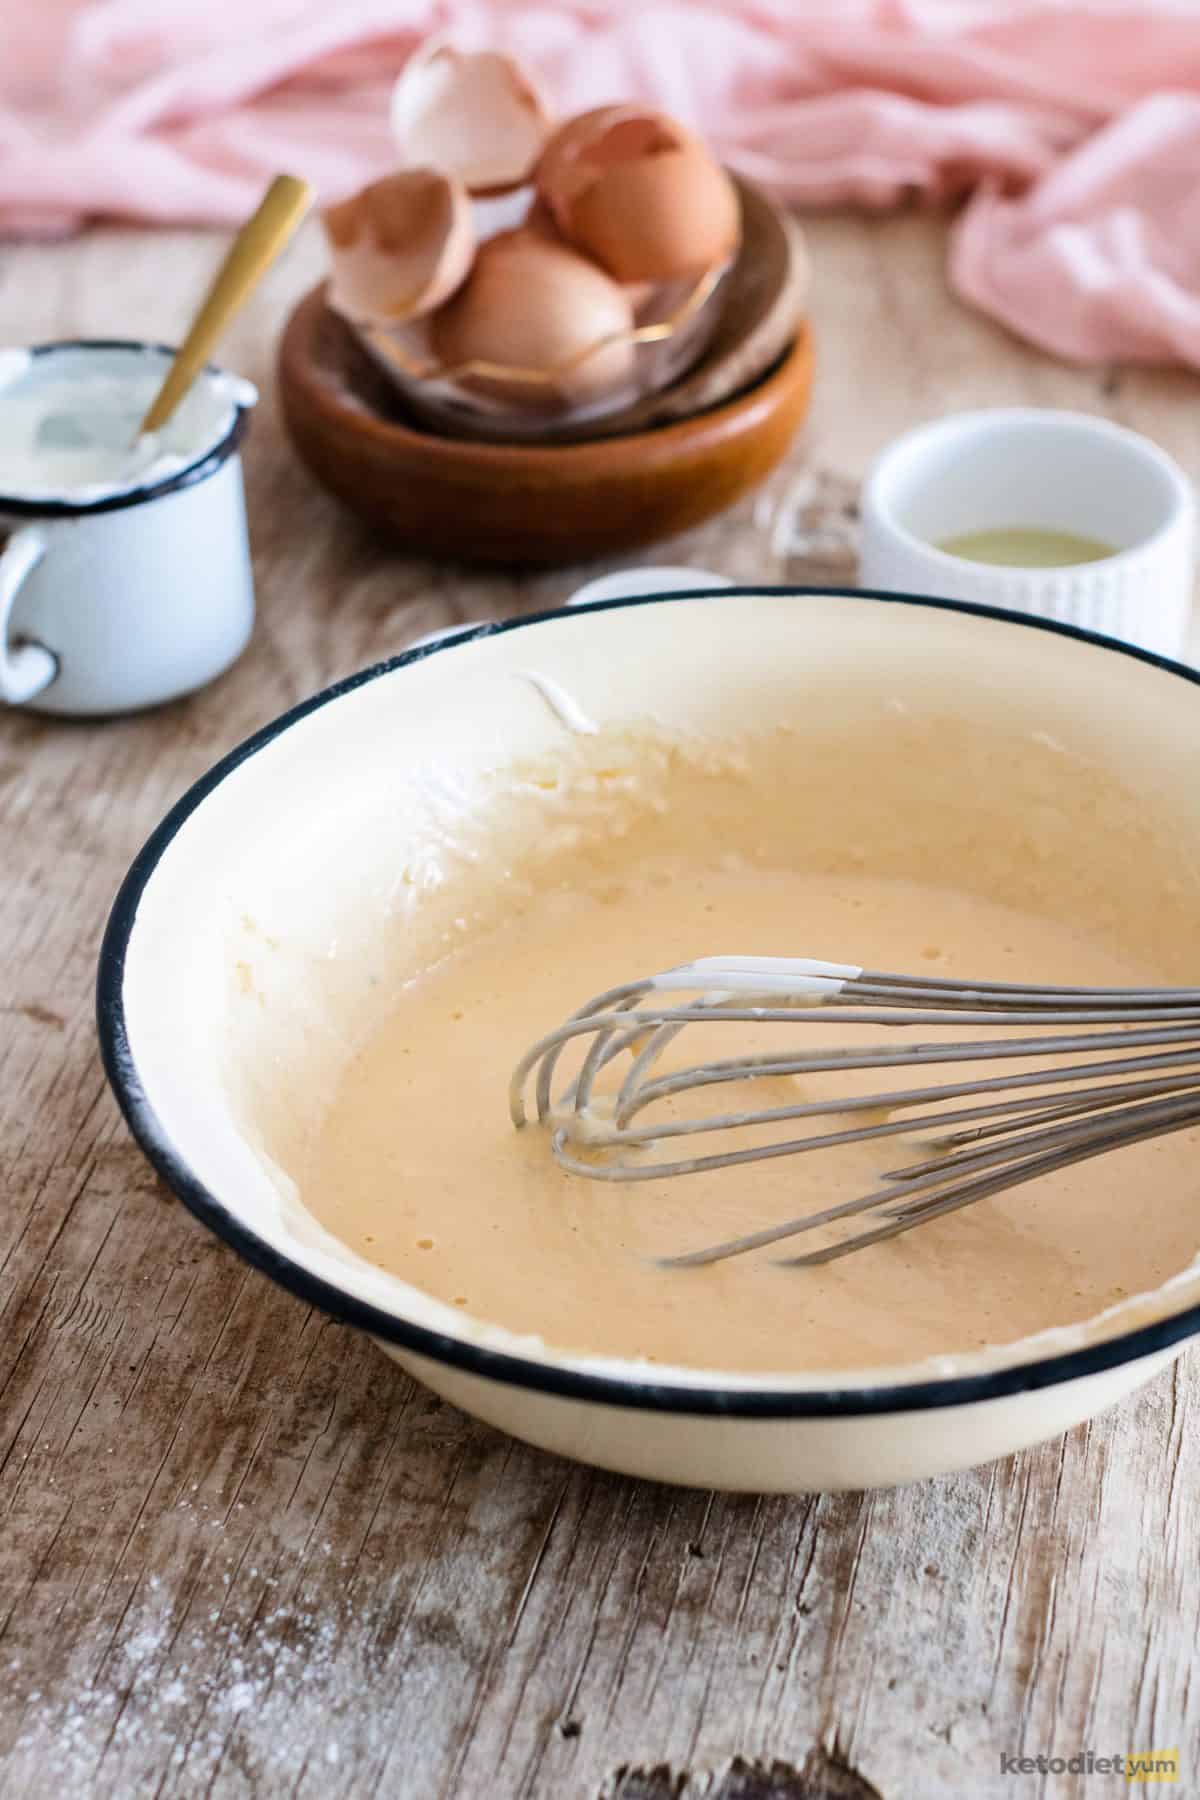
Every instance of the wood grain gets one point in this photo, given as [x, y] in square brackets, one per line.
[241, 1553]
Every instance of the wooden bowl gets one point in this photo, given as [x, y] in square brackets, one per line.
[518, 503]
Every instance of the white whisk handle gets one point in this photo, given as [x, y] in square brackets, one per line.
[791, 975]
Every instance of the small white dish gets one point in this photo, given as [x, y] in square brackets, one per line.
[1054, 471]
[121, 596]
[445, 632]
[622, 584]
[632, 584]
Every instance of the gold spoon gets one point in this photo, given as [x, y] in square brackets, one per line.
[251, 254]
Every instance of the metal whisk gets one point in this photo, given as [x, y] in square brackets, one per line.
[1036, 1121]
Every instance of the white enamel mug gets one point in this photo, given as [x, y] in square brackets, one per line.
[121, 598]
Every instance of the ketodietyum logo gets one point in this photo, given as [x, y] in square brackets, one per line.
[1129, 1765]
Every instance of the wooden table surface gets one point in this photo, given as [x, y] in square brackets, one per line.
[241, 1553]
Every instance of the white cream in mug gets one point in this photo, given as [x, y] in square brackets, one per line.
[69, 424]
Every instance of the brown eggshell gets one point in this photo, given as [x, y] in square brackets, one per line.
[474, 115]
[639, 193]
[584, 145]
[540, 222]
[531, 303]
[399, 247]
[659, 218]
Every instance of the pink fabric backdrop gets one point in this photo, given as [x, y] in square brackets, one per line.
[1074, 129]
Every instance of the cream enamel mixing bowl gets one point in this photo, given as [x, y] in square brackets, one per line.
[256, 937]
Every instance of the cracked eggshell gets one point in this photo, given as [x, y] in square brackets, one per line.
[581, 147]
[399, 247]
[473, 114]
[533, 303]
[640, 194]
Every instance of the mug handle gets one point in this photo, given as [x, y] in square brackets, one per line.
[25, 669]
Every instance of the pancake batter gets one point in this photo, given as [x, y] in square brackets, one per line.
[418, 1168]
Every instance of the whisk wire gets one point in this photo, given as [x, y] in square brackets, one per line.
[1020, 1123]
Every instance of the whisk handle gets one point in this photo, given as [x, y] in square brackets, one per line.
[775, 975]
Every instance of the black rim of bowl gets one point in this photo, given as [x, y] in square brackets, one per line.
[548, 1377]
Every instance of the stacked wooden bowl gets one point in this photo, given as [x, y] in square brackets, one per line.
[658, 467]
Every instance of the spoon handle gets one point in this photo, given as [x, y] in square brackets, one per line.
[251, 254]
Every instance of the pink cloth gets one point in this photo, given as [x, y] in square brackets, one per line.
[1073, 129]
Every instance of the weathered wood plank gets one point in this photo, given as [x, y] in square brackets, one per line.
[242, 1554]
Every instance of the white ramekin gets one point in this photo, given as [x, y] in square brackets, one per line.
[1059, 471]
